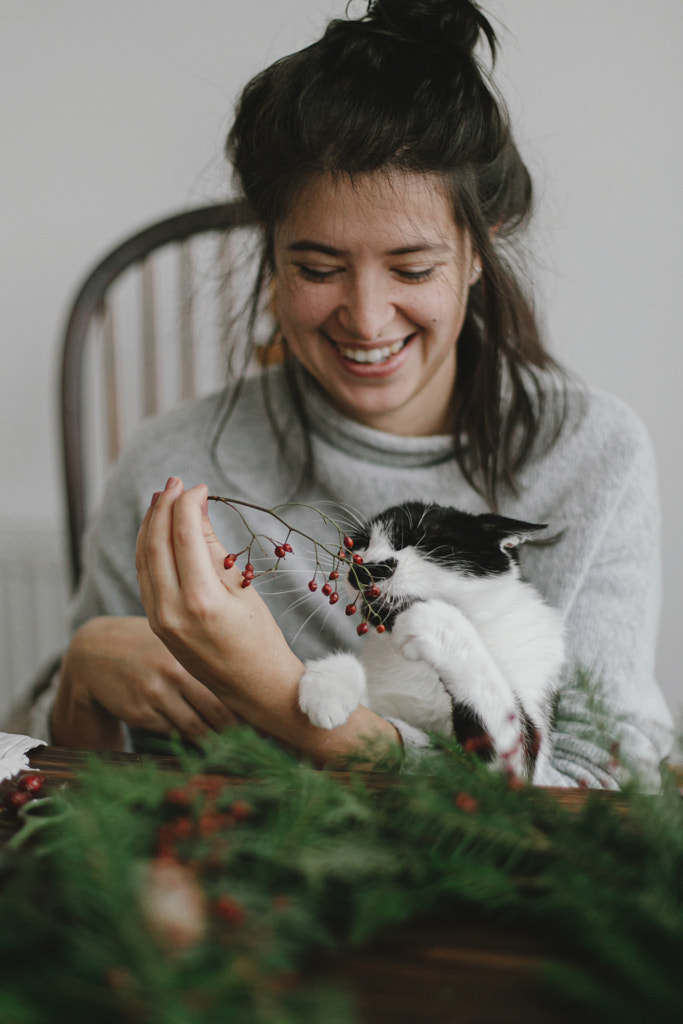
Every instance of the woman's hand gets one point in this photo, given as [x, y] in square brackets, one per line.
[224, 634]
[115, 669]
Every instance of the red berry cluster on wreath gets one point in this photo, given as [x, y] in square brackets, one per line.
[281, 549]
[28, 787]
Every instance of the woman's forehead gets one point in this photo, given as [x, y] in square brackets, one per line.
[407, 210]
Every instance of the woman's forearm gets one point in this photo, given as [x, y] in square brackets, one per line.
[275, 710]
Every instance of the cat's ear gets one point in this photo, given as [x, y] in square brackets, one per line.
[510, 533]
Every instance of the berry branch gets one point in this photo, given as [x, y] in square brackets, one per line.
[338, 554]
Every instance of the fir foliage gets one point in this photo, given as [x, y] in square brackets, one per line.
[290, 862]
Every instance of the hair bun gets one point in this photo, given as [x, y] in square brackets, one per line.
[440, 24]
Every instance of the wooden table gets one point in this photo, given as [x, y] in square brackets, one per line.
[474, 971]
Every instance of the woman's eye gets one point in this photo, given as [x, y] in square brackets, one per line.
[316, 273]
[415, 275]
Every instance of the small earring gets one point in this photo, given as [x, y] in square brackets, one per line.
[476, 272]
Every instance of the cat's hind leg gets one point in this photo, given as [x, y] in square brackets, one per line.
[440, 635]
[331, 688]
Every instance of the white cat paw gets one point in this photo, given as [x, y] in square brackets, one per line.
[331, 688]
[419, 630]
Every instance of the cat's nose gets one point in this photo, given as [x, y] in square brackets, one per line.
[371, 572]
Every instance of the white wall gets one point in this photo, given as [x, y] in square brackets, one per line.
[115, 113]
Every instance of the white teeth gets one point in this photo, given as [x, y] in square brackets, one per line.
[371, 355]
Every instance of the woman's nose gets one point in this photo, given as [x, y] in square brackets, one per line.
[366, 309]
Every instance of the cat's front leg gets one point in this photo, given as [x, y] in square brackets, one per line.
[331, 688]
[440, 635]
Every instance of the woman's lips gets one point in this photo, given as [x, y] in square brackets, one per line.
[372, 360]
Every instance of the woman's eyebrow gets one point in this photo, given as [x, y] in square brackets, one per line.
[431, 247]
[422, 246]
[306, 246]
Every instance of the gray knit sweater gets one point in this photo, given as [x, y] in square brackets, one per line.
[597, 484]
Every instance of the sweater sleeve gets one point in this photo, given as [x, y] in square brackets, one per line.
[109, 583]
[612, 718]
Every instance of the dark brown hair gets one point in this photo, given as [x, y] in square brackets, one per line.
[402, 88]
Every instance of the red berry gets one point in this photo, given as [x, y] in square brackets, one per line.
[348, 541]
[288, 548]
[230, 910]
[31, 783]
[373, 591]
[246, 582]
[249, 567]
[248, 574]
[334, 575]
[240, 810]
[381, 628]
[334, 597]
[178, 796]
[313, 585]
[327, 589]
[15, 801]
[351, 609]
[466, 803]
[229, 561]
[362, 628]
[280, 551]
[358, 560]
[341, 554]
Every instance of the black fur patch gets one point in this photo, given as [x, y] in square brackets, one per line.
[473, 544]
[470, 733]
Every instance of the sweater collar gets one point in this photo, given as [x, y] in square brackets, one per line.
[366, 443]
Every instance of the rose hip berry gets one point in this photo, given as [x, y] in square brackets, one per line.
[31, 783]
[15, 801]
[351, 609]
[327, 589]
[348, 541]
[362, 628]
[240, 810]
[334, 597]
[313, 586]
[358, 559]
[230, 910]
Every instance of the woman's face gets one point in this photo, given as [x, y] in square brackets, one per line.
[372, 278]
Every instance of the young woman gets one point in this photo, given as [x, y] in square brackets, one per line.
[380, 164]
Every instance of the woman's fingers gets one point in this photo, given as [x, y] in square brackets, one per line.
[199, 554]
[154, 554]
[208, 707]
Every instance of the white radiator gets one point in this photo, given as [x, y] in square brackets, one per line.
[33, 597]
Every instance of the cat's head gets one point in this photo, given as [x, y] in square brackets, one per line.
[416, 552]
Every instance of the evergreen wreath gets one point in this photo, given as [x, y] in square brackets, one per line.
[146, 896]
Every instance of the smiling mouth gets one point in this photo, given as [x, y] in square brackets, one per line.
[371, 355]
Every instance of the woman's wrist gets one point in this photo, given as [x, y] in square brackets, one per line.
[77, 719]
[277, 712]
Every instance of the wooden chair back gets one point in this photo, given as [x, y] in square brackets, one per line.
[147, 331]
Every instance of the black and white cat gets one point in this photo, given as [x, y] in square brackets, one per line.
[469, 649]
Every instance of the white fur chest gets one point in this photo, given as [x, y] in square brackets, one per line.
[411, 691]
